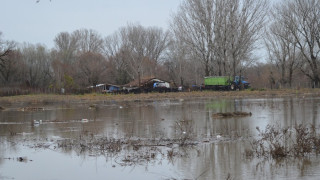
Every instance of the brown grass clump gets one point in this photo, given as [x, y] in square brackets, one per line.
[297, 141]
[231, 114]
[170, 154]
[126, 151]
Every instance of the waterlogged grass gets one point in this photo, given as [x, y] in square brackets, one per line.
[298, 141]
[273, 142]
[128, 150]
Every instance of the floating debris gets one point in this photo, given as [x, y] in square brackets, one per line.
[22, 159]
[84, 120]
[24, 134]
[93, 106]
[231, 114]
[35, 122]
[1, 108]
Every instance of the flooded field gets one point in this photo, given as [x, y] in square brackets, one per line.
[164, 139]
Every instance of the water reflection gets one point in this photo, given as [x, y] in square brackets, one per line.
[158, 119]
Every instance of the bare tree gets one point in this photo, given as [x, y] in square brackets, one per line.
[90, 69]
[64, 58]
[157, 42]
[62, 71]
[221, 46]
[89, 40]
[220, 33]
[117, 56]
[177, 63]
[8, 60]
[281, 47]
[301, 18]
[238, 28]
[37, 71]
[67, 45]
[194, 25]
[137, 50]
[11, 68]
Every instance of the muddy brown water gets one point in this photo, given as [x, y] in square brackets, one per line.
[28, 149]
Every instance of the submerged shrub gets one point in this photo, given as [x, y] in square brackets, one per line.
[184, 131]
[303, 139]
[297, 141]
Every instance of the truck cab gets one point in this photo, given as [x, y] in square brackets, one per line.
[236, 81]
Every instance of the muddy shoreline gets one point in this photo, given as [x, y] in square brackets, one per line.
[43, 99]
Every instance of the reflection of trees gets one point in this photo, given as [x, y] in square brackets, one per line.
[228, 127]
[214, 162]
[221, 105]
[139, 119]
[220, 160]
[314, 112]
[295, 111]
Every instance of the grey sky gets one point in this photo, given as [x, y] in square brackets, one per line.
[28, 21]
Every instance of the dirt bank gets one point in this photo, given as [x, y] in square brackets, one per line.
[94, 98]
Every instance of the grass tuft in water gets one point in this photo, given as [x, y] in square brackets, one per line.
[275, 142]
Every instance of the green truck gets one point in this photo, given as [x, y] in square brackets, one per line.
[225, 83]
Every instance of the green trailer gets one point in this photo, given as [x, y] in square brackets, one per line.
[218, 82]
[224, 83]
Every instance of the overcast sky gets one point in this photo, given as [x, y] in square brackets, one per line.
[28, 21]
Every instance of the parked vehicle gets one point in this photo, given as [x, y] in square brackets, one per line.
[161, 86]
[225, 83]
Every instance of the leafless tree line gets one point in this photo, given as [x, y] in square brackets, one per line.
[218, 36]
[293, 39]
[83, 58]
[206, 37]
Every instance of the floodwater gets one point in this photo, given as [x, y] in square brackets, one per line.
[28, 150]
